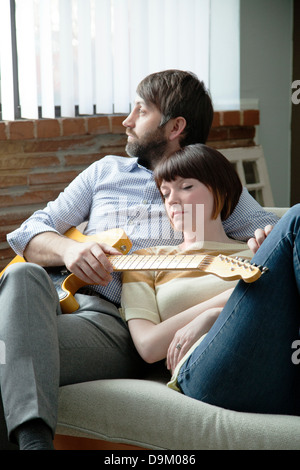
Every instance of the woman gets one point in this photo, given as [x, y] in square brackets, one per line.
[244, 357]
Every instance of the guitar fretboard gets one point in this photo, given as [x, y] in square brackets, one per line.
[156, 262]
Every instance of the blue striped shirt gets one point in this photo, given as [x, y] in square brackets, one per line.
[117, 192]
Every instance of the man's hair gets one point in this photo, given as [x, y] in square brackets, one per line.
[208, 166]
[178, 93]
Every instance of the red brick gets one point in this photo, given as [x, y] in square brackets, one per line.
[82, 159]
[241, 132]
[5, 230]
[73, 126]
[10, 179]
[11, 147]
[231, 118]
[116, 124]
[15, 216]
[27, 161]
[251, 117]
[30, 197]
[115, 150]
[218, 133]
[21, 130]
[6, 253]
[3, 135]
[47, 128]
[231, 143]
[53, 145]
[98, 125]
[52, 178]
[216, 120]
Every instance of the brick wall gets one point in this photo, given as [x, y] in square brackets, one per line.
[39, 158]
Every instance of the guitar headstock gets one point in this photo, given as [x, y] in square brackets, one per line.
[230, 268]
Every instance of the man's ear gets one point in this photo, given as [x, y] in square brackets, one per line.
[176, 127]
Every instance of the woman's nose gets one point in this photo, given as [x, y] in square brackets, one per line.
[173, 198]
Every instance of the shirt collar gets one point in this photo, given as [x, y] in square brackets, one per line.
[133, 164]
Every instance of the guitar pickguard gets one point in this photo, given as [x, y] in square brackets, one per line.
[58, 274]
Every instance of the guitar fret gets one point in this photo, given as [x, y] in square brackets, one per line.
[122, 262]
[137, 263]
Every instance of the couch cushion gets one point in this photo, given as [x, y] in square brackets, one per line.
[148, 414]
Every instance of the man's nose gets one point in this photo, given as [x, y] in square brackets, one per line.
[129, 121]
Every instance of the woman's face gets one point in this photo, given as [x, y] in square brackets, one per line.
[185, 199]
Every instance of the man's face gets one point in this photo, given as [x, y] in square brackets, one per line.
[146, 140]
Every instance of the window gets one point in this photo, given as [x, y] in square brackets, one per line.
[71, 57]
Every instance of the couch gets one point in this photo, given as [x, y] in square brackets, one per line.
[146, 414]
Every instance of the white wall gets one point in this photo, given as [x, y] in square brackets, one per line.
[266, 78]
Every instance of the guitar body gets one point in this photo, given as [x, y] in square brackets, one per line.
[66, 283]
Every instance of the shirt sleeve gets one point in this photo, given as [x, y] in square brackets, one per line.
[71, 208]
[247, 217]
[138, 298]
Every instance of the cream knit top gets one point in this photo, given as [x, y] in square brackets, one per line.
[158, 295]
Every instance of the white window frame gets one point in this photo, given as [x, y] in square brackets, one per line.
[85, 57]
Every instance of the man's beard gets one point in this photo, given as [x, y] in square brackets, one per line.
[149, 149]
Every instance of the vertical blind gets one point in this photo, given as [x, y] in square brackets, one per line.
[87, 56]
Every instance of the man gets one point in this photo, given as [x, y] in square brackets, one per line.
[45, 349]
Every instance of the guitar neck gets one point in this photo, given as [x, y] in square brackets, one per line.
[156, 262]
[225, 267]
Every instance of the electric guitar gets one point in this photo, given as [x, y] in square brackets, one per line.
[67, 284]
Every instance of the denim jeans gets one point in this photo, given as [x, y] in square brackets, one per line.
[245, 362]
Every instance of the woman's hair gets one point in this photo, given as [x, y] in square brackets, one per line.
[178, 93]
[208, 166]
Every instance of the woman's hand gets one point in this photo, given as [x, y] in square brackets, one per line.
[259, 237]
[185, 337]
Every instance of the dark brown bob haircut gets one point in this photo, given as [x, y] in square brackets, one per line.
[208, 166]
[177, 93]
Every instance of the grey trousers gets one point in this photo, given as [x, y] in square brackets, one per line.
[45, 349]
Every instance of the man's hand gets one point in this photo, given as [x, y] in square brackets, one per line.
[88, 261]
[259, 236]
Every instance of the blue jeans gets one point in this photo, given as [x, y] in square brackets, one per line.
[245, 361]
